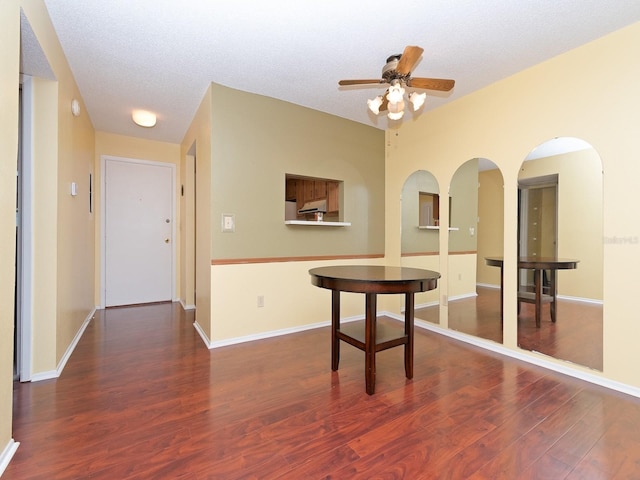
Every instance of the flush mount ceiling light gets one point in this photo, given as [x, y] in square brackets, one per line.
[397, 73]
[144, 118]
[75, 107]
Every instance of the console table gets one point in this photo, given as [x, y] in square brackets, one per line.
[373, 280]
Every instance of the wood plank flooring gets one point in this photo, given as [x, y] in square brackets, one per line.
[143, 398]
[575, 337]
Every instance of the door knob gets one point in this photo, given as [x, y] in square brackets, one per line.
[166, 240]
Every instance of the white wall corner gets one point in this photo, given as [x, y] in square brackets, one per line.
[203, 335]
[186, 306]
[36, 377]
[7, 455]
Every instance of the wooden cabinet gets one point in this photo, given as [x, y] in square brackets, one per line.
[319, 189]
[290, 189]
[309, 191]
[303, 190]
[333, 197]
[300, 189]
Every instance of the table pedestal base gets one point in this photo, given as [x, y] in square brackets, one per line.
[370, 343]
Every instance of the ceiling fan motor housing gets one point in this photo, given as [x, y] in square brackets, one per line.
[389, 72]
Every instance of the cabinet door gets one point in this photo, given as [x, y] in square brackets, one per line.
[300, 190]
[333, 197]
[319, 189]
[290, 190]
[309, 191]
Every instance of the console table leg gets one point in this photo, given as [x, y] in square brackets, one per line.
[552, 292]
[538, 287]
[408, 331]
[335, 326]
[370, 342]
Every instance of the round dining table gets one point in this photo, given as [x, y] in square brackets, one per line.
[372, 280]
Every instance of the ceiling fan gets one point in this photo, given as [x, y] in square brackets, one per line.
[397, 73]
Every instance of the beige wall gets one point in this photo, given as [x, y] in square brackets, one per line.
[64, 246]
[490, 224]
[254, 142]
[570, 95]
[463, 193]
[196, 149]
[416, 240]
[109, 144]
[9, 66]
[45, 242]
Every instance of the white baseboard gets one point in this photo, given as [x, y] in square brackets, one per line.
[37, 377]
[203, 335]
[560, 297]
[580, 299]
[425, 305]
[7, 455]
[462, 297]
[272, 333]
[186, 306]
[533, 358]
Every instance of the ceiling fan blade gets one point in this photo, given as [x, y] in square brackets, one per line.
[359, 82]
[408, 60]
[441, 84]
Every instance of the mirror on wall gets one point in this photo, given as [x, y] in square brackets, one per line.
[420, 244]
[476, 197]
[560, 289]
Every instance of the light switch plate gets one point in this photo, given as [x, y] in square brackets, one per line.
[228, 222]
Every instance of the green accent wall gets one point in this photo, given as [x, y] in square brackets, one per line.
[256, 141]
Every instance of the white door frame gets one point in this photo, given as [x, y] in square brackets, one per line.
[103, 271]
[25, 275]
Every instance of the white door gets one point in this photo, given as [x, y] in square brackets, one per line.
[138, 227]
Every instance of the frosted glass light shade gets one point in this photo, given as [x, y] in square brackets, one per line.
[417, 99]
[395, 93]
[144, 118]
[374, 104]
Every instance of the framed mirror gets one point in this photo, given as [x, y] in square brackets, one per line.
[560, 248]
[420, 243]
[476, 232]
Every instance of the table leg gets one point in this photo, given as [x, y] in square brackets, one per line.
[552, 292]
[408, 331]
[335, 326]
[538, 286]
[370, 342]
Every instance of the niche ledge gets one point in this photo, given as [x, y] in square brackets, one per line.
[437, 227]
[317, 224]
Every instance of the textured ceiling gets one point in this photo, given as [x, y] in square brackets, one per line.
[161, 55]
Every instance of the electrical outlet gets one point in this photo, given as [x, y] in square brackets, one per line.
[260, 301]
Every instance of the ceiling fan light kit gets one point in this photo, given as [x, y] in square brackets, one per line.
[397, 73]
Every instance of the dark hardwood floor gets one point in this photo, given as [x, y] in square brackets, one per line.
[575, 337]
[143, 398]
